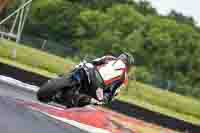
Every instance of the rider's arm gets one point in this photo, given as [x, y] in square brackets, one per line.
[113, 91]
[115, 88]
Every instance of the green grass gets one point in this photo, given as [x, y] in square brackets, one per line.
[34, 58]
[27, 68]
[168, 103]
[165, 102]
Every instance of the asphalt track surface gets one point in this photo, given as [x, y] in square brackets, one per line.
[20, 112]
[19, 119]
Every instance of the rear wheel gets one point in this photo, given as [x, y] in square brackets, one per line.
[51, 88]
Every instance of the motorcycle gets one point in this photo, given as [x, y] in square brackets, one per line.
[69, 89]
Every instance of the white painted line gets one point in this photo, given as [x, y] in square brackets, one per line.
[55, 107]
[18, 83]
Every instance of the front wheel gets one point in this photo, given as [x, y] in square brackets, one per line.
[51, 88]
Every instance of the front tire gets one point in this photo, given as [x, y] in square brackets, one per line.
[50, 88]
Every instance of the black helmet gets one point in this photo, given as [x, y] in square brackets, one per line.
[128, 58]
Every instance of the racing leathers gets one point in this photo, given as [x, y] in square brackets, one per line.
[106, 75]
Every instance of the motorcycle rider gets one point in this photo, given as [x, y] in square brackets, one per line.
[106, 75]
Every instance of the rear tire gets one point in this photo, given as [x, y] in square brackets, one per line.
[50, 88]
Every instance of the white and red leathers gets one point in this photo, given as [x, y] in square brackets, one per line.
[112, 69]
[114, 73]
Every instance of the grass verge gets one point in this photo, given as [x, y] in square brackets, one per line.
[154, 99]
[27, 68]
[164, 102]
[33, 57]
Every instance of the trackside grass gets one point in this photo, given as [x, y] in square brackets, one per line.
[157, 100]
[165, 102]
[34, 58]
[27, 67]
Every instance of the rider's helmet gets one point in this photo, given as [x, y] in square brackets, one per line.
[127, 59]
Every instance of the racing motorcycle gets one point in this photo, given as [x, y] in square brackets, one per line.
[71, 89]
